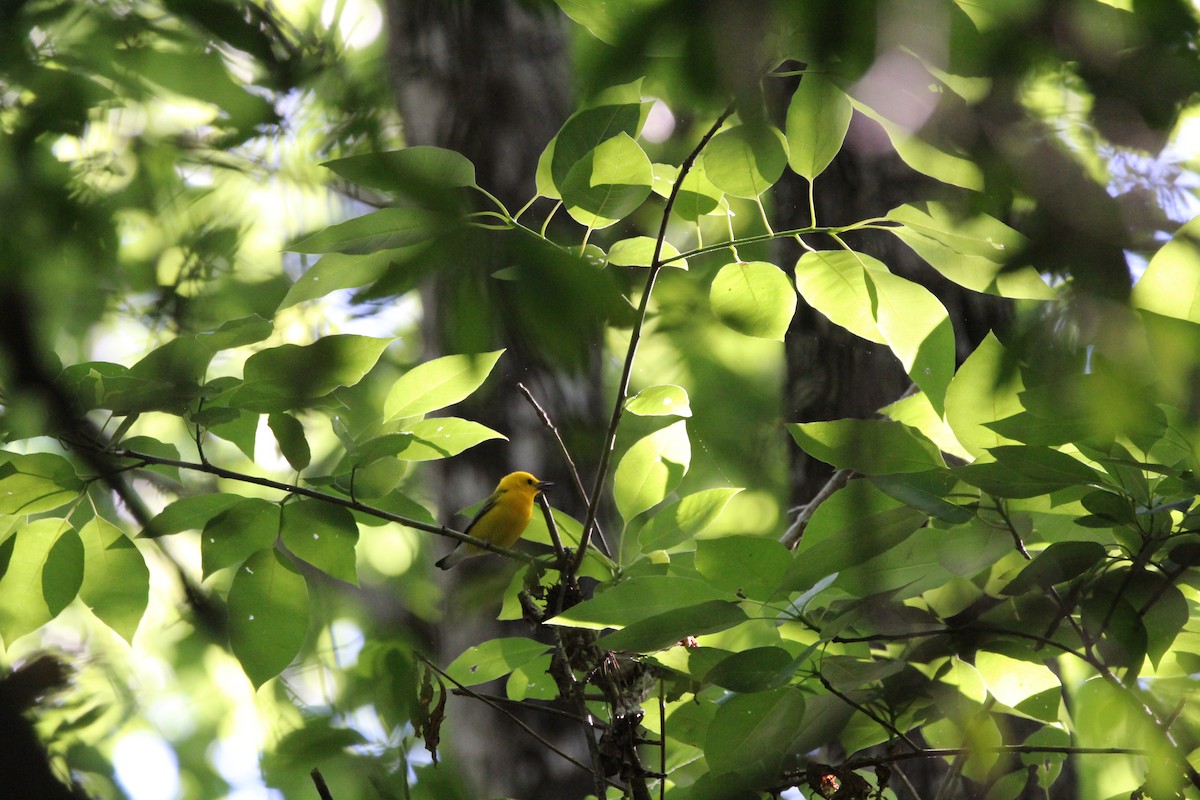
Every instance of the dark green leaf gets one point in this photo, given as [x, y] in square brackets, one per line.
[637, 599]
[670, 627]
[414, 171]
[289, 434]
[493, 659]
[321, 534]
[926, 491]
[230, 537]
[190, 513]
[386, 229]
[1058, 563]
[751, 670]
[297, 373]
[750, 732]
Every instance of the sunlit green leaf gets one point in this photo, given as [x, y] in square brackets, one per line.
[437, 384]
[336, 271]
[31, 484]
[268, 615]
[586, 129]
[608, 183]
[442, 437]
[917, 329]
[985, 389]
[639, 252]
[44, 572]
[651, 469]
[834, 282]
[870, 446]
[670, 627]
[745, 160]
[637, 599]
[751, 670]
[924, 157]
[116, 580]
[754, 298]
[1170, 285]
[660, 401]
[817, 120]
[493, 659]
[680, 521]
[971, 252]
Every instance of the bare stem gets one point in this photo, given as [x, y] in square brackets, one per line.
[656, 265]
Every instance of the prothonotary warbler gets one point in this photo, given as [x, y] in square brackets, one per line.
[502, 518]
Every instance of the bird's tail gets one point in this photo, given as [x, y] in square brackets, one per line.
[459, 554]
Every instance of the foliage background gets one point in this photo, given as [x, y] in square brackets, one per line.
[158, 156]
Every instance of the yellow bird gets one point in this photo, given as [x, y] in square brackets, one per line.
[502, 518]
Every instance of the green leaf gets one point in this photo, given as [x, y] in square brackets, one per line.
[745, 160]
[651, 469]
[855, 523]
[750, 732]
[660, 401]
[31, 593]
[608, 183]
[386, 229]
[639, 252]
[268, 615]
[493, 659]
[237, 426]
[927, 559]
[926, 491]
[925, 157]
[637, 599]
[190, 513]
[973, 252]
[442, 437]
[666, 629]
[751, 670]
[1170, 286]
[302, 372]
[985, 389]
[754, 298]
[748, 566]
[586, 129]
[323, 535]
[289, 434]
[695, 198]
[917, 329]
[681, 521]
[834, 282]
[439, 383]
[35, 483]
[869, 446]
[415, 171]
[1045, 464]
[116, 580]
[233, 535]
[336, 271]
[1058, 563]
[817, 120]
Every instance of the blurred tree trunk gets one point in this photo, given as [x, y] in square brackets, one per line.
[490, 79]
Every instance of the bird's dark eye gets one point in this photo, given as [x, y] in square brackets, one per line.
[529, 481]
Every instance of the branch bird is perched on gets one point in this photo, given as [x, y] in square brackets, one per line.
[502, 518]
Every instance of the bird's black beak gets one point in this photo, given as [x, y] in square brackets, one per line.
[544, 485]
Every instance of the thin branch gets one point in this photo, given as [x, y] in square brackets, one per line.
[319, 781]
[795, 532]
[890, 728]
[559, 553]
[656, 265]
[566, 454]
[524, 726]
[290, 488]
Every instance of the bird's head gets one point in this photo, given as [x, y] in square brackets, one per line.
[522, 482]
